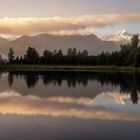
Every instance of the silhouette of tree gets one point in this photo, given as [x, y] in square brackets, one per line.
[84, 53]
[32, 56]
[60, 53]
[135, 41]
[11, 55]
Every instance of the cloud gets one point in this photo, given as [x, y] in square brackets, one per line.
[63, 25]
[85, 108]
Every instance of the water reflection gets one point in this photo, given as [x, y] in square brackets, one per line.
[102, 96]
[128, 83]
[84, 108]
[73, 106]
[10, 79]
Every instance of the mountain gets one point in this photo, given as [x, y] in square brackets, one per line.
[45, 41]
[120, 37]
[4, 46]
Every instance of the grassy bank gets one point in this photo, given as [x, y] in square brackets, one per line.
[68, 68]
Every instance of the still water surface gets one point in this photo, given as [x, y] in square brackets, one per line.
[69, 106]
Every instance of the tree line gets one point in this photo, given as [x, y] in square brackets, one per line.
[129, 55]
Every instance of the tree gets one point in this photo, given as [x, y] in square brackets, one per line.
[32, 56]
[54, 52]
[17, 60]
[137, 58]
[47, 57]
[11, 55]
[47, 54]
[69, 52]
[60, 53]
[135, 41]
[84, 53]
[74, 52]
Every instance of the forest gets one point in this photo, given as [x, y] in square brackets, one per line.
[129, 55]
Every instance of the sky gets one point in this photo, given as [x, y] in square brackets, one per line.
[19, 17]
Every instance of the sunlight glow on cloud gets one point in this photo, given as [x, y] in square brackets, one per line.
[85, 108]
[61, 25]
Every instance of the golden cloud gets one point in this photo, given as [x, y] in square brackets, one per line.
[62, 25]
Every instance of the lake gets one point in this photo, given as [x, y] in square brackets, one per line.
[69, 106]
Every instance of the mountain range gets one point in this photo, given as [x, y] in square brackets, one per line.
[41, 42]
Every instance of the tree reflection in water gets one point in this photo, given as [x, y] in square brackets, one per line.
[128, 82]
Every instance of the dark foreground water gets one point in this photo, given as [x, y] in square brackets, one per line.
[69, 106]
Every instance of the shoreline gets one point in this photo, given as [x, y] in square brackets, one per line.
[69, 68]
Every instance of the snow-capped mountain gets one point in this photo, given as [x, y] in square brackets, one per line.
[121, 36]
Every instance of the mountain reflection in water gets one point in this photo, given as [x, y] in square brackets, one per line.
[128, 83]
